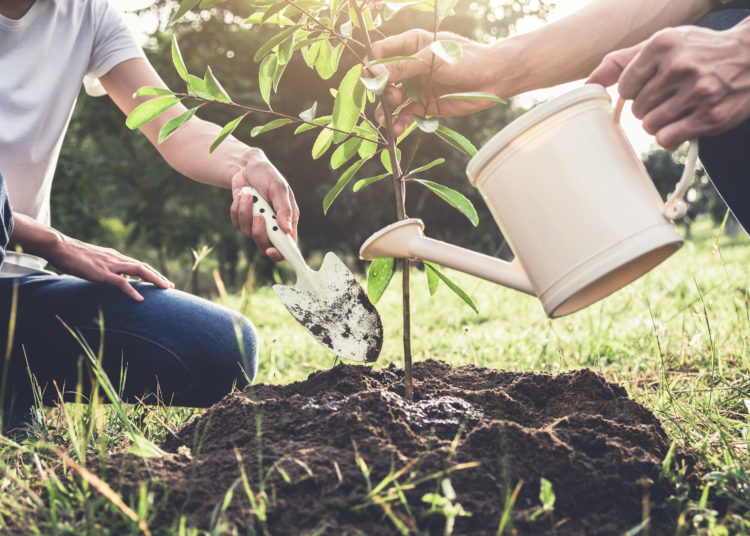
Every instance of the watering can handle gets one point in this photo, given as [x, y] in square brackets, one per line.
[675, 206]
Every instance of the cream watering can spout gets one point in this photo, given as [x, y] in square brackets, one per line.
[572, 199]
[404, 239]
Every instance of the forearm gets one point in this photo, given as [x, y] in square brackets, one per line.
[33, 237]
[569, 49]
[187, 151]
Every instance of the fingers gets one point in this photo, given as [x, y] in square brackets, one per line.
[124, 285]
[147, 274]
[260, 237]
[410, 43]
[242, 214]
[610, 69]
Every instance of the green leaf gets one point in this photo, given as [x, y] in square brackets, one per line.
[346, 29]
[391, 60]
[278, 19]
[455, 199]
[150, 91]
[277, 75]
[350, 99]
[379, 274]
[214, 87]
[368, 181]
[444, 7]
[174, 123]
[323, 61]
[276, 123]
[273, 41]
[177, 58]
[312, 53]
[433, 280]
[377, 84]
[309, 114]
[322, 143]
[472, 95]
[225, 132]
[286, 49]
[197, 88]
[451, 285]
[345, 178]
[370, 23]
[185, 6]
[456, 140]
[385, 159]
[428, 125]
[447, 50]
[369, 145]
[546, 495]
[431, 165]
[265, 76]
[273, 10]
[149, 110]
[411, 128]
[345, 152]
[336, 57]
[391, 8]
[320, 121]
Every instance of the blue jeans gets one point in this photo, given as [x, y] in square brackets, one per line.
[726, 157]
[184, 349]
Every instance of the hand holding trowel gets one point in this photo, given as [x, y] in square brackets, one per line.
[330, 304]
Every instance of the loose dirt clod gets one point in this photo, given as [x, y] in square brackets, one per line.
[315, 453]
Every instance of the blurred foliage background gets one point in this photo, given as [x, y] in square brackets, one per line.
[113, 189]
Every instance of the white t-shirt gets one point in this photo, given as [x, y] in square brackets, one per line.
[45, 56]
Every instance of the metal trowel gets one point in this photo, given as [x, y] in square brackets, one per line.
[330, 304]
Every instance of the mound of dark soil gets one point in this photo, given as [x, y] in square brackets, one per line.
[343, 453]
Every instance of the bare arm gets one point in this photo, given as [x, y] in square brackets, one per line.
[562, 51]
[569, 49]
[232, 165]
[104, 265]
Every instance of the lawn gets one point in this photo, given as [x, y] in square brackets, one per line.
[677, 340]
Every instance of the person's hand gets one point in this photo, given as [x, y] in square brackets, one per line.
[685, 82]
[472, 73]
[264, 177]
[103, 265]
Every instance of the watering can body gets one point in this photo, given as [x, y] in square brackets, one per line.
[571, 197]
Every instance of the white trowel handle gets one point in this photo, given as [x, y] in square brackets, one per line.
[280, 240]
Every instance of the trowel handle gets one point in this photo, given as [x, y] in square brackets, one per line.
[675, 206]
[280, 240]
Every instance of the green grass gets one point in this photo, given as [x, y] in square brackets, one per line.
[677, 339]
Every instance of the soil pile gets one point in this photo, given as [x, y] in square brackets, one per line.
[343, 453]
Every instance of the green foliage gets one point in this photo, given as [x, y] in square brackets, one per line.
[149, 110]
[434, 271]
[453, 198]
[379, 275]
[448, 51]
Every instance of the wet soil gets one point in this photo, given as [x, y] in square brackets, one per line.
[343, 453]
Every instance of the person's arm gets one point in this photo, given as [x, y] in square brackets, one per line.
[232, 165]
[73, 257]
[562, 51]
[685, 82]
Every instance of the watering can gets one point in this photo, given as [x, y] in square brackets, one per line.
[573, 200]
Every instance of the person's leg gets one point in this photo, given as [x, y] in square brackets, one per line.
[726, 157]
[187, 349]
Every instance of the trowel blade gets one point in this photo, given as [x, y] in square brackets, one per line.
[341, 316]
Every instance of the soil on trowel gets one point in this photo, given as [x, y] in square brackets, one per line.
[344, 453]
